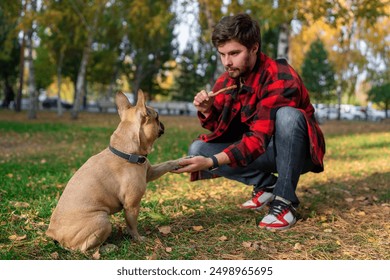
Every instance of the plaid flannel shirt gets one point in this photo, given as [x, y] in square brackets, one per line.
[271, 85]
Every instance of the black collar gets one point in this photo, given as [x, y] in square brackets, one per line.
[133, 158]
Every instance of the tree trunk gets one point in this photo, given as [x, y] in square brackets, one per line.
[79, 94]
[18, 101]
[32, 91]
[59, 82]
[9, 94]
[283, 41]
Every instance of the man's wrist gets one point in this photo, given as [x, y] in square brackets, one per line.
[215, 163]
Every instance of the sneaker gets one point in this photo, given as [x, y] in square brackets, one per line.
[280, 216]
[258, 201]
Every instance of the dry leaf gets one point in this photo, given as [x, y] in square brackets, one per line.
[328, 230]
[168, 249]
[247, 244]
[165, 230]
[350, 199]
[297, 246]
[223, 238]
[197, 228]
[55, 255]
[17, 237]
[108, 248]
[152, 256]
[18, 204]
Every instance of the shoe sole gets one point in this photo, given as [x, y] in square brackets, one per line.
[260, 207]
[279, 228]
[255, 209]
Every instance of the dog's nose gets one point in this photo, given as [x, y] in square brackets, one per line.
[161, 129]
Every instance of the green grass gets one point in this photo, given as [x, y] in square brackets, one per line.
[344, 211]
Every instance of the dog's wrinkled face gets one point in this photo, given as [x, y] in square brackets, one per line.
[152, 124]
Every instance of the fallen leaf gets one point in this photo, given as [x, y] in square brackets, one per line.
[168, 249]
[247, 244]
[108, 248]
[18, 204]
[350, 199]
[55, 255]
[197, 228]
[17, 237]
[165, 230]
[223, 238]
[328, 230]
[361, 213]
[297, 246]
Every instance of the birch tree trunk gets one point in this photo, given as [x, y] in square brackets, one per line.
[284, 41]
[32, 90]
[60, 111]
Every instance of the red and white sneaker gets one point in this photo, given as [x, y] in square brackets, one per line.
[280, 216]
[258, 201]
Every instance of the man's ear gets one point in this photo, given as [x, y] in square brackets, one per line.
[122, 102]
[255, 48]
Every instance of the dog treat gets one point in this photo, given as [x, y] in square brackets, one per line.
[212, 94]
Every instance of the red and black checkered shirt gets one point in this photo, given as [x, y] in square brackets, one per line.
[251, 108]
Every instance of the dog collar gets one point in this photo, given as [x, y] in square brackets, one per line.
[133, 158]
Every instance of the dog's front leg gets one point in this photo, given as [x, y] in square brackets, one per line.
[157, 170]
[131, 215]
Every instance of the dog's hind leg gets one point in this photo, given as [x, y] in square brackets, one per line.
[101, 232]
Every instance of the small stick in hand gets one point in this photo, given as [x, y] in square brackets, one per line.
[212, 94]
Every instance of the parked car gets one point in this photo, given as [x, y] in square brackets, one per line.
[375, 115]
[51, 102]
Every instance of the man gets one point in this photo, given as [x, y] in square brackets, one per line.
[263, 126]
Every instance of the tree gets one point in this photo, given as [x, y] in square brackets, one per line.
[9, 57]
[381, 95]
[318, 73]
[148, 43]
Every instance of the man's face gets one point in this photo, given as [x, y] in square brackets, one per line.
[237, 59]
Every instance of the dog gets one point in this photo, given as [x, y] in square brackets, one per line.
[110, 181]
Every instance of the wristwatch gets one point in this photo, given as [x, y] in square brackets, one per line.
[215, 163]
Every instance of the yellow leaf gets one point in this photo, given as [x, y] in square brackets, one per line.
[197, 228]
[17, 237]
[223, 238]
[165, 229]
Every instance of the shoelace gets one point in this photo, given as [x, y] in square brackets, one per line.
[278, 207]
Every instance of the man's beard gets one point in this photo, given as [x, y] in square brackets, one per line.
[239, 72]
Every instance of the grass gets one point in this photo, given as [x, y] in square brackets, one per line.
[344, 212]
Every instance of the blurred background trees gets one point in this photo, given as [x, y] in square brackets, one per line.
[80, 51]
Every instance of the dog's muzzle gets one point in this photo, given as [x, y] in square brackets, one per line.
[161, 129]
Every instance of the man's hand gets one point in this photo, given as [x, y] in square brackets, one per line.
[203, 102]
[192, 164]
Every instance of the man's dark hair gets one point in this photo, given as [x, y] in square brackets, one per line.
[241, 28]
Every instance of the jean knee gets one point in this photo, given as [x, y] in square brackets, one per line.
[196, 147]
[288, 117]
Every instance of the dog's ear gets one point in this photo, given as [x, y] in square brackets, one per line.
[141, 102]
[122, 102]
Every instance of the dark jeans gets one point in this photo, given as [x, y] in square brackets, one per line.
[287, 155]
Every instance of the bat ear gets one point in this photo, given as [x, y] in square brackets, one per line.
[122, 102]
[141, 102]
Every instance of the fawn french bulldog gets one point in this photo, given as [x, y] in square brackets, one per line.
[110, 181]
